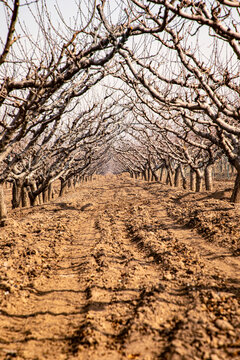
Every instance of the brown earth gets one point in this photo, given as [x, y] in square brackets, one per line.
[122, 269]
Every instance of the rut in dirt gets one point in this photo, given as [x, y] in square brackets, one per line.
[105, 273]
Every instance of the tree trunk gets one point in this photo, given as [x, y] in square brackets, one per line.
[208, 177]
[184, 180]
[75, 181]
[50, 192]
[34, 200]
[235, 197]
[177, 177]
[144, 175]
[184, 183]
[161, 173]
[192, 180]
[199, 181]
[148, 174]
[3, 208]
[63, 187]
[154, 176]
[45, 195]
[16, 194]
[24, 197]
[69, 183]
[169, 180]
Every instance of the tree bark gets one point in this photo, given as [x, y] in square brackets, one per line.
[161, 173]
[45, 195]
[69, 183]
[235, 197]
[50, 192]
[199, 181]
[63, 187]
[24, 197]
[34, 200]
[184, 180]
[75, 181]
[192, 180]
[177, 177]
[148, 174]
[16, 194]
[3, 207]
[144, 175]
[208, 178]
[154, 176]
[169, 180]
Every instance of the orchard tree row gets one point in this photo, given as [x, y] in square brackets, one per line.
[130, 85]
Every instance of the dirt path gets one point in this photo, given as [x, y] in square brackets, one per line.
[105, 273]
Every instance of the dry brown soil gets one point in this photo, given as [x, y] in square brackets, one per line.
[122, 269]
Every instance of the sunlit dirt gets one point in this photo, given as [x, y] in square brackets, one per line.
[122, 269]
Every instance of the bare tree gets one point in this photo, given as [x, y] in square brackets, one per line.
[202, 88]
[41, 74]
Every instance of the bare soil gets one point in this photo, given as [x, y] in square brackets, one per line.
[122, 269]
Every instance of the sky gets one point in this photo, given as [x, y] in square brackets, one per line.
[58, 10]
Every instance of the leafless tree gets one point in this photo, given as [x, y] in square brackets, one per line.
[199, 85]
[41, 74]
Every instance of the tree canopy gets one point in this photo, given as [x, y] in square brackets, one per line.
[128, 85]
